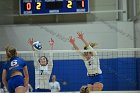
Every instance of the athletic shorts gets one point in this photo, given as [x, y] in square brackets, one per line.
[93, 79]
[15, 82]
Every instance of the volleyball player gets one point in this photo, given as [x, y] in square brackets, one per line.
[54, 85]
[43, 70]
[92, 63]
[12, 77]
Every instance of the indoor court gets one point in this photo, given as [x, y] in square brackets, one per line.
[70, 46]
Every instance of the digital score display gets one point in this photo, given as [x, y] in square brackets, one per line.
[43, 7]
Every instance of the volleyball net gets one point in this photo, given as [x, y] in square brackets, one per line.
[120, 68]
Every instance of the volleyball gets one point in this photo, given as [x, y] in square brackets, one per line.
[37, 45]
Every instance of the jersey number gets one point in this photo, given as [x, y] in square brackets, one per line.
[14, 63]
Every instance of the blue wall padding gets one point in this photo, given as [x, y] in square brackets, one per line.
[31, 71]
[118, 73]
[127, 74]
[1, 66]
[138, 73]
[70, 73]
[109, 68]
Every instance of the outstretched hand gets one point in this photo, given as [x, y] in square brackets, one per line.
[71, 40]
[80, 35]
[30, 41]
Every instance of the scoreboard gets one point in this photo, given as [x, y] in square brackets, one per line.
[44, 7]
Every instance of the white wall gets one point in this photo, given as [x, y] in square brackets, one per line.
[3, 39]
[137, 34]
[104, 33]
[125, 34]
[137, 26]
[103, 5]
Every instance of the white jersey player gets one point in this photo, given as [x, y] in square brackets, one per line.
[43, 70]
[92, 63]
[54, 85]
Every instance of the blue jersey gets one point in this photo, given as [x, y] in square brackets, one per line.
[14, 64]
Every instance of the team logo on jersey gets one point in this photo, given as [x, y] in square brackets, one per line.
[13, 64]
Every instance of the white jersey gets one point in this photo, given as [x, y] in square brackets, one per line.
[54, 86]
[43, 69]
[93, 64]
[42, 77]
[42, 73]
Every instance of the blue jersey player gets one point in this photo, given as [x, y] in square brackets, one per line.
[15, 72]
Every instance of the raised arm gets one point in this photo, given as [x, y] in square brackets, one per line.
[30, 42]
[81, 37]
[35, 55]
[50, 63]
[87, 44]
[72, 42]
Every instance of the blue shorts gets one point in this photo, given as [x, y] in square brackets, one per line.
[93, 79]
[14, 82]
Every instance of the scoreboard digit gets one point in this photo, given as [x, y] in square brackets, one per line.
[44, 7]
[38, 5]
[69, 4]
[27, 6]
